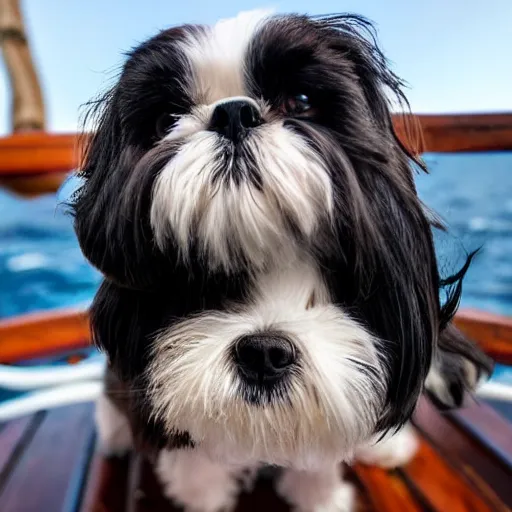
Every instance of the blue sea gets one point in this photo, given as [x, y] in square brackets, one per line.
[41, 267]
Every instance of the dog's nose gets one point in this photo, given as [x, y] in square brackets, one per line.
[234, 118]
[263, 357]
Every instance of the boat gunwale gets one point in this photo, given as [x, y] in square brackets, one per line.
[30, 154]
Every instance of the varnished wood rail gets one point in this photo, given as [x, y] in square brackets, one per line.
[34, 153]
[28, 154]
[459, 132]
[41, 334]
[492, 332]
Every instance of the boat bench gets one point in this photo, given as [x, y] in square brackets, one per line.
[49, 462]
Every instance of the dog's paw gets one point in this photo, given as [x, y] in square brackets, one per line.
[247, 478]
[391, 452]
[195, 483]
[315, 491]
[458, 368]
[113, 428]
[449, 379]
[452, 377]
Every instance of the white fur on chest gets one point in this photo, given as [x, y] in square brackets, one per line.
[284, 294]
[331, 403]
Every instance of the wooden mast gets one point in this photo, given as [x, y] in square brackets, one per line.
[27, 112]
[27, 106]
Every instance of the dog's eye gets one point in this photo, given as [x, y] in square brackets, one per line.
[164, 124]
[298, 105]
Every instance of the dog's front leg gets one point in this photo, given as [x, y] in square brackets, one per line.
[194, 482]
[113, 428]
[317, 491]
[391, 452]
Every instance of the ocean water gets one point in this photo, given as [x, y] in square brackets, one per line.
[473, 195]
[41, 267]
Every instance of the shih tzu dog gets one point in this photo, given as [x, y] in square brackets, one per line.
[271, 294]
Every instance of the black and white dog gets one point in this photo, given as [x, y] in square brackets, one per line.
[271, 291]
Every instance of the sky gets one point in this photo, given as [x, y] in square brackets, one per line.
[456, 55]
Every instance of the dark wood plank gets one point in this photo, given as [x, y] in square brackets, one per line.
[440, 485]
[106, 485]
[262, 497]
[489, 427]
[11, 434]
[14, 436]
[433, 486]
[79, 474]
[55, 459]
[364, 501]
[492, 332]
[480, 467]
[385, 490]
[46, 472]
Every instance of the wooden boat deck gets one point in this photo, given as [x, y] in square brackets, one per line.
[49, 463]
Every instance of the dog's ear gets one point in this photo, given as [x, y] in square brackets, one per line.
[354, 39]
[383, 266]
[149, 435]
[111, 207]
[458, 367]
[123, 322]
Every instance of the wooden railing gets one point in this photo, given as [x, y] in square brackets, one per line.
[458, 132]
[492, 332]
[29, 154]
[37, 162]
[42, 334]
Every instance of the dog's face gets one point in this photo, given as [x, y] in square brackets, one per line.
[271, 285]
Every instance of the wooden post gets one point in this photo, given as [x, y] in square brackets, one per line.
[27, 112]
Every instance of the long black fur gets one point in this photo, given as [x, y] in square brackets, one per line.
[378, 258]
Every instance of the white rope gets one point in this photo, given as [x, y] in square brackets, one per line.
[25, 378]
[50, 398]
[55, 386]
[495, 391]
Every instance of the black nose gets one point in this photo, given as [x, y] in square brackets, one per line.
[235, 118]
[264, 357]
